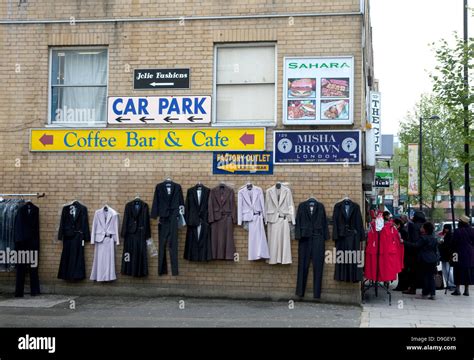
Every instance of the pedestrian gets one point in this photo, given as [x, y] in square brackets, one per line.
[411, 252]
[402, 276]
[427, 258]
[446, 254]
[463, 256]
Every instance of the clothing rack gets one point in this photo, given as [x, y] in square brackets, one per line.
[375, 284]
[38, 195]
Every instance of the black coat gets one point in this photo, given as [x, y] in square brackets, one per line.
[166, 205]
[348, 232]
[74, 232]
[135, 232]
[348, 224]
[197, 247]
[27, 235]
[309, 225]
[427, 246]
[446, 247]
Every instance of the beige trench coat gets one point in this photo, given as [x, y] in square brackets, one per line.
[280, 211]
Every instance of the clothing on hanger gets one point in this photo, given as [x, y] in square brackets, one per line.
[198, 240]
[279, 213]
[73, 232]
[167, 202]
[251, 211]
[348, 233]
[222, 217]
[27, 238]
[105, 235]
[135, 232]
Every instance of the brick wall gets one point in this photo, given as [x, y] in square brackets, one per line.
[99, 178]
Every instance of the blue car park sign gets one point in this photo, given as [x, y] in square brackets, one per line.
[242, 163]
[317, 147]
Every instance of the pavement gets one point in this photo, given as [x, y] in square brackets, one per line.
[129, 311]
[105, 311]
[409, 311]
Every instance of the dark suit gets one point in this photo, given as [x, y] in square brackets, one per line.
[27, 239]
[198, 239]
[166, 205]
[312, 232]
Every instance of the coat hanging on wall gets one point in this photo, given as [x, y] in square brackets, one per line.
[105, 234]
[74, 232]
[251, 210]
[135, 232]
[222, 217]
[280, 212]
[348, 233]
[8, 212]
[198, 235]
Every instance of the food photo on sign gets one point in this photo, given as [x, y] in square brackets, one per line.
[335, 109]
[302, 109]
[335, 87]
[298, 88]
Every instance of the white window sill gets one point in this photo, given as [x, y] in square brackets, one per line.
[245, 124]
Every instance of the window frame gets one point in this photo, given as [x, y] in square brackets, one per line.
[244, 123]
[50, 87]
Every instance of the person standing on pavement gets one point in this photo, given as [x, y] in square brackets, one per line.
[463, 257]
[402, 276]
[411, 252]
[446, 253]
[427, 257]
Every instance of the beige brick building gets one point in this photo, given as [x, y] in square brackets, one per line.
[169, 34]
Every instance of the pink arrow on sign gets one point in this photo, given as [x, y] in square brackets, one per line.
[247, 139]
[46, 139]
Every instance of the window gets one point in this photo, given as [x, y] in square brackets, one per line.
[245, 84]
[78, 86]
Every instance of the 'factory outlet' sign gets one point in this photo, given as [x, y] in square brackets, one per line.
[317, 147]
[196, 139]
[318, 90]
[158, 110]
[243, 163]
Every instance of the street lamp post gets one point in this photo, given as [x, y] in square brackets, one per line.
[420, 155]
[467, 186]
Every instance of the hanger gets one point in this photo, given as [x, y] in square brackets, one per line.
[168, 179]
[249, 186]
[278, 185]
[312, 198]
[137, 196]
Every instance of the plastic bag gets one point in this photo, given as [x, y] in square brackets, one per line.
[152, 250]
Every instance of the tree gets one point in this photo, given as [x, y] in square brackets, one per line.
[450, 87]
[441, 144]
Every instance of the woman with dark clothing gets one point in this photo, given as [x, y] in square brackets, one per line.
[402, 276]
[463, 257]
[446, 254]
[411, 252]
[427, 257]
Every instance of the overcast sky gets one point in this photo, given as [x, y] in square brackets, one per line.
[402, 32]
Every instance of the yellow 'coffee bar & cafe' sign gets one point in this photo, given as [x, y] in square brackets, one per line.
[198, 139]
